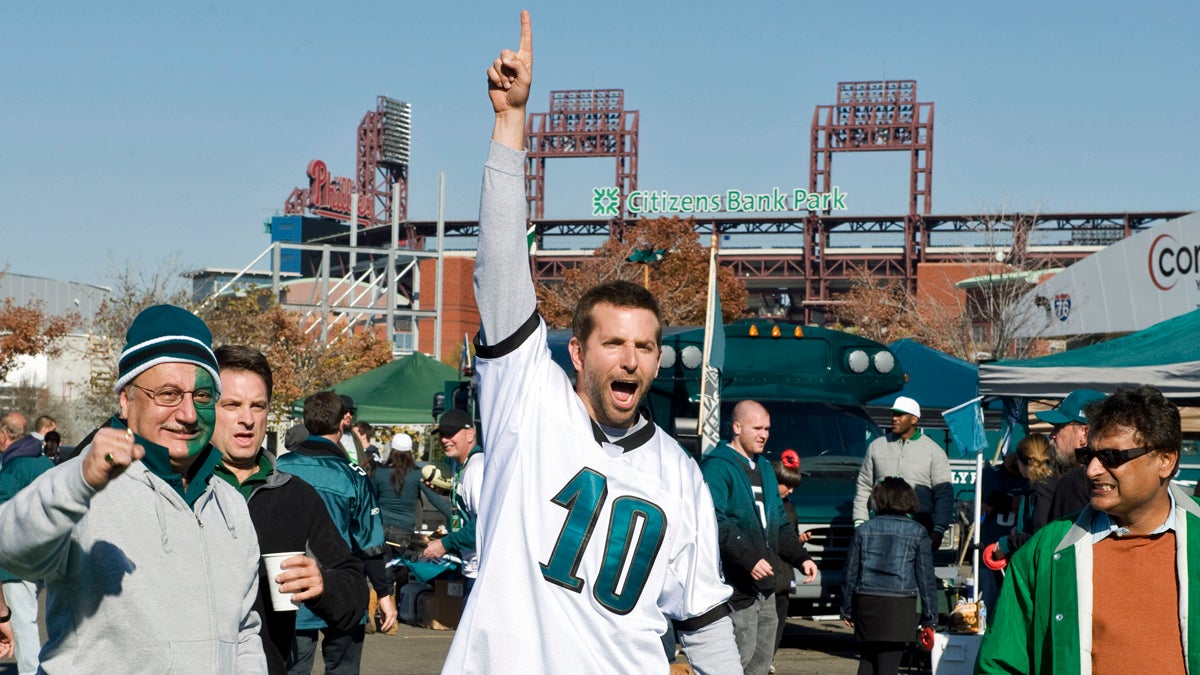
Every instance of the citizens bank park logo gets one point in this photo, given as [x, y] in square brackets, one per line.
[1169, 261]
[606, 201]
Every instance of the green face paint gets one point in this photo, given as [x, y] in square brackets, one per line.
[206, 415]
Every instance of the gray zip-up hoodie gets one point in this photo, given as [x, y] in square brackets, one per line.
[136, 580]
[921, 462]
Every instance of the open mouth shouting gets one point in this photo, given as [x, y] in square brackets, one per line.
[624, 394]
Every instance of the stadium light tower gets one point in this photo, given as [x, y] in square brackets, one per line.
[883, 115]
[582, 123]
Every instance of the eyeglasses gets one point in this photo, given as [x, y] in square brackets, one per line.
[1109, 458]
[170, 397]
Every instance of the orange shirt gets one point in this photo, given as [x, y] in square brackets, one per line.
[1135, 608]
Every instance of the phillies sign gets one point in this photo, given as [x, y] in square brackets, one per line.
[330, 196]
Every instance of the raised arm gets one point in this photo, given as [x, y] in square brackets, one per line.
[509, 79]
[503, 285]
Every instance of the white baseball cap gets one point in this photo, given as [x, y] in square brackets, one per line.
[907, 406]
[402, 443]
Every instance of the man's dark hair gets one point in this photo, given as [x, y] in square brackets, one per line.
[53, 437]
[365, 429]
[786, 477]
[617, 294]
[248, 359]
[894, 497]
[323, 413]
[1154, 420]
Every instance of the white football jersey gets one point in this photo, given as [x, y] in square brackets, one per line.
[584, 545]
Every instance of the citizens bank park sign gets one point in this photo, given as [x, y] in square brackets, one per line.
[1133, 284]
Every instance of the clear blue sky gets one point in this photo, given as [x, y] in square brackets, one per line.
[133, 131]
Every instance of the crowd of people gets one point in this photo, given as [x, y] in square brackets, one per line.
[590, 541]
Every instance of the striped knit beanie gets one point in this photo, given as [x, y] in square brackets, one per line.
[166, 334]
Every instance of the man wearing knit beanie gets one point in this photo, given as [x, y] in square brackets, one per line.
[163, 561]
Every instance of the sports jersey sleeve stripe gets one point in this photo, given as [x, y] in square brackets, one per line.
[711, 616]
[508, 384]
[508, 344]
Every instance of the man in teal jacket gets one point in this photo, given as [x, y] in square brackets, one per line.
[751, 528]
[1111, 590]
[23, 461]
[321, 462]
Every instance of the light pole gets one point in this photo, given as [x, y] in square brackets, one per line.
[645, 256]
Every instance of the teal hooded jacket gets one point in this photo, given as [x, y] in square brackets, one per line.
[741, 535]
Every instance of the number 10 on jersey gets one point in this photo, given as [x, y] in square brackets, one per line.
[635, 533]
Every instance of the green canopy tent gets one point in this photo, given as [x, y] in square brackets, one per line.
[1166, 355]
[400, 392]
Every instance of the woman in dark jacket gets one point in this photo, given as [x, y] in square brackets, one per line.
[398, 486]
[889, 565]
[787, 473]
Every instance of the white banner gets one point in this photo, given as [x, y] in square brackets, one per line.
[1133, 284]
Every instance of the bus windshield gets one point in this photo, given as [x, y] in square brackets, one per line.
[830, 438]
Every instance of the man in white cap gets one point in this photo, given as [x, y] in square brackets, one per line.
[919, 460]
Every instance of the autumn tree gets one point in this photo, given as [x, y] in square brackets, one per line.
[877, 310]
[27, 330]
[679, 280]
[976, 313]
[301, 362]
[133, 288]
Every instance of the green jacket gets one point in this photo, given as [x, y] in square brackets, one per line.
[1036, 627]
[23, 462]
[741, 535]
[462, 539]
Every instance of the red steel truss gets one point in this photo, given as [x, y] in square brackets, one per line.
[382, 159]
[873, 117]
[582, 123]
[814, 258]
[382, 147]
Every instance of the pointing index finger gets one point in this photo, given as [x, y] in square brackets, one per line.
[526, 34]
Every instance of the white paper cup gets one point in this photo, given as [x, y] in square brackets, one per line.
[280, 601]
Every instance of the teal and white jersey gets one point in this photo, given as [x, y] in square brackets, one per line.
[586, 546]
[468, 486]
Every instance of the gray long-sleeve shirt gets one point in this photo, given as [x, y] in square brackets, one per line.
[506, 300]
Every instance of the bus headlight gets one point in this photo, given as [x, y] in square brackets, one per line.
[858, 361]
[884, 361]
[668, 357]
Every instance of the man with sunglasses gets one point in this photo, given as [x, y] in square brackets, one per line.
[149, 564]
[1112, 589]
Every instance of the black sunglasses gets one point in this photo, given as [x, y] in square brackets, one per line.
[1109, 458]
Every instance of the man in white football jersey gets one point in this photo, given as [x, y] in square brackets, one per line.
[595, 527]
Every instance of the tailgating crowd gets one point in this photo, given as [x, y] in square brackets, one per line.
[153, 541]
